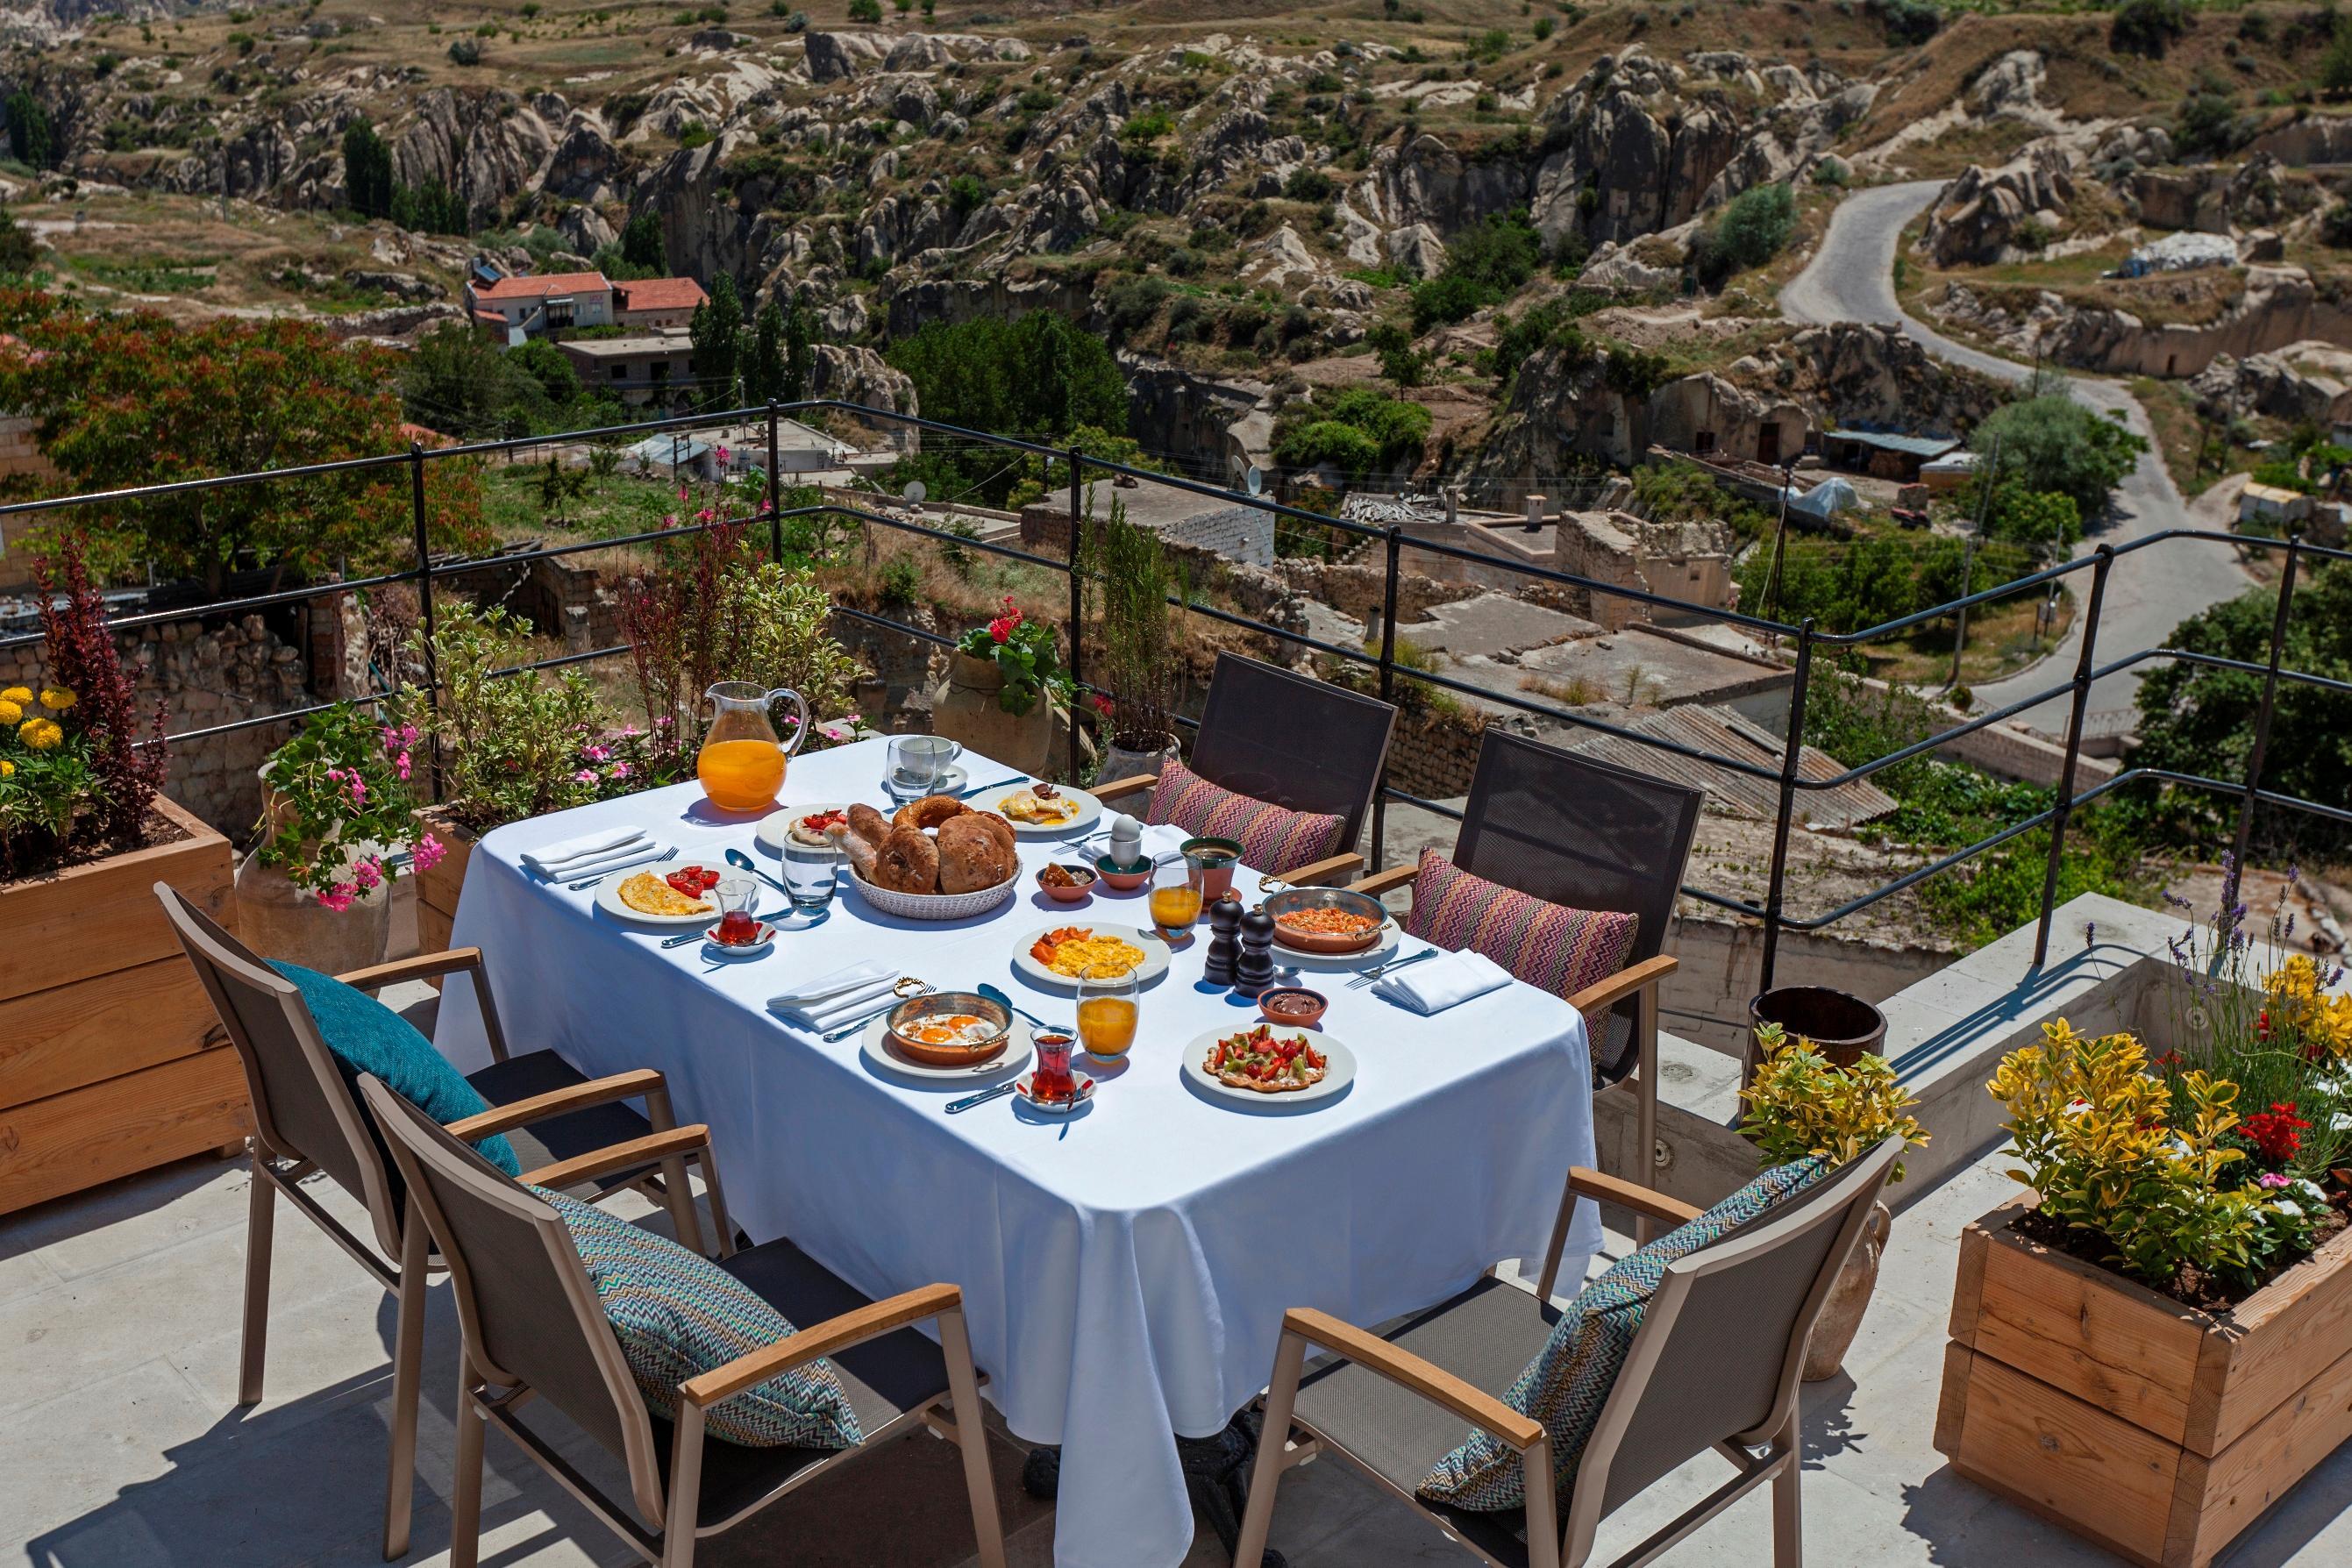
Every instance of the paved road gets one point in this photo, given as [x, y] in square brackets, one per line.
[2149, 593]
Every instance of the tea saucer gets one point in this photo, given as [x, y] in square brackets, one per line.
[1070, 1107]
[952, 779]
[756, 947]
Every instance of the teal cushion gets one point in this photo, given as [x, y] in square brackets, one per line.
[677, 1315]
[1569, 1380]
[365, 1036]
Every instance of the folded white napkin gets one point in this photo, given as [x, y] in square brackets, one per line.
[1436, 984]
[570, 856]
[833, 1011]
[600, 865]
[834, 984]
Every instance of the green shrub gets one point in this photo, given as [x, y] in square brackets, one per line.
[2148, 27]
[1748, 232]
[865, 10]
[1308, 186]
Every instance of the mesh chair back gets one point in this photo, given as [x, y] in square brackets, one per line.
[529, 1314]
[1297, 743]
[303, 1106]
[1574, 831]
[1729, 1328]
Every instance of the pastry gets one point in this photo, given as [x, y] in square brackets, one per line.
[869, 825]
[928, 812]
[970, 855]
[862, 851]
[907, 862]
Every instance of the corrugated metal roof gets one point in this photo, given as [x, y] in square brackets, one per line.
[1918, 445]
[1724, 733]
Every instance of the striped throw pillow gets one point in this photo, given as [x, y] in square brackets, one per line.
[1273, 841]
[1550, 946]
[677, 1315]
[1569, 1381]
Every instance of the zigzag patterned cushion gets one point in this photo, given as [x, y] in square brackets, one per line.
[1569, 1380]
[1273, 841]
[1550, 946]
[677, 1315]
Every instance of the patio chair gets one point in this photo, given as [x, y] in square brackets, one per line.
[307, 1119]
[1715, 1364]
[1293, 742]
[1572, 830]
[533, 1327]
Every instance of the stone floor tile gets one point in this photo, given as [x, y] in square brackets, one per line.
[22, 1271]
[71, 1455]
[131, 1218]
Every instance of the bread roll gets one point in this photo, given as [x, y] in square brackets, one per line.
[970, 856]
[907, 862]
[869, 825]
[928, 812]
[860, 849]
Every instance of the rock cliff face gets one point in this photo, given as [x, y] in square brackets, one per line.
[2280, 306]
[1985, 215]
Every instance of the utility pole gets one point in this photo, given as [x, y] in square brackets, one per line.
[1969, 560]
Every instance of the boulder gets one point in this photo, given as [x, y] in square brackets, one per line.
[838, 56]
[1982, 216]
[583, 166]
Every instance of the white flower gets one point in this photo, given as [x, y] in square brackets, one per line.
[2313, 1191]
[2077, 1107]
[2281, 1205]
[2340, 1122]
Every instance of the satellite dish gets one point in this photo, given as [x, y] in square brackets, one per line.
[1253, 481]
[915, 492]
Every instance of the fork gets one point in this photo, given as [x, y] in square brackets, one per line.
[857, 1025]
[1380, 971]
[668, 854]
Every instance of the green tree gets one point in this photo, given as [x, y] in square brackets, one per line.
[18, 254]
[1400, 363]
[430, 208]
[798, 368]
[1358, 431]
[1039, 376]
[1748, 232]
[2336, 64]
[2148, 27]
[2051, 443]
[1485, 264]
[641, 244]
[716, 332]
[461, 383]
[368, 181]
[559, 381]
[764, 359]
[869, 11]
[30, 137]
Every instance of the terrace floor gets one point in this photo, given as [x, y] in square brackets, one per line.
[121, 1445]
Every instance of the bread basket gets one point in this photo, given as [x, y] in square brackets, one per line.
[936, 906]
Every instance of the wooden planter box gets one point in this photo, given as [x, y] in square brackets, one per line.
[2156, 1430]
[436, 890]
[111, 1059]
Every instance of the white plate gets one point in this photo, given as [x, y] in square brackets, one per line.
[1335, 1082]
[775, 828]
[885, 1058]
[1291, 957]
[608, 896]
[1089, 811]
[953, 778]
[1154, 964]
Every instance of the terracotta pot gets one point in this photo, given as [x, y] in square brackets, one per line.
[1840, 1316]
[968, 709]
[282, 921]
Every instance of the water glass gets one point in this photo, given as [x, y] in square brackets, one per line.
[809, 879]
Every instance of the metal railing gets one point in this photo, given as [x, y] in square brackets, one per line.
[1809, 639]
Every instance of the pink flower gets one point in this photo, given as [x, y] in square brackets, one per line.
[359, 789]
[722, 456]
[618, 771]
[368, 872]
[595, 753]
[428, 853]
[670, 520]
[408, 734]
[339, 897]
[2274, 1179]
[584, 776]
[681, 494]
[400, 766]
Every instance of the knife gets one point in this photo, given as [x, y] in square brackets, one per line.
[983, 1097]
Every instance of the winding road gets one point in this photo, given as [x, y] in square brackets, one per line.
[1851, 279]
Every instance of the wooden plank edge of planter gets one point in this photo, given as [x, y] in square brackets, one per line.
[121, 1125]
[111, 907]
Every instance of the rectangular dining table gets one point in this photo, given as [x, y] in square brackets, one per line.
[1124, 1270]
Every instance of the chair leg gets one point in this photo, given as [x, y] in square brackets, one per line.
[407, 1358]
[685, 1501]
[466, 1500]
[259, 1225]
[1281, 1399]
[1645, 1115]
[972, 1438]
[1787, 1504]
[678, 1198]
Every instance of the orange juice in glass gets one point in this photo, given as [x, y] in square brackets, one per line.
[741, 765]
[1107, 1011]
[1176, 898]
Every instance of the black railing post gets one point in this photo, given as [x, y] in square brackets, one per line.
[417, 524]
[1791, 755]
[2262, 721]
[2084, 664]
[775, 494]
[1077, 608]
[1388, 690]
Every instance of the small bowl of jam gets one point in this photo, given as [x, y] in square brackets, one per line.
[1292, 1006]
[1066, 883]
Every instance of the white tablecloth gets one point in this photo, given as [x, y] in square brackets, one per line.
[1124, 1272]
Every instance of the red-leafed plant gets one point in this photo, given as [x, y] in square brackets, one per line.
[84, 663]
[682, 627]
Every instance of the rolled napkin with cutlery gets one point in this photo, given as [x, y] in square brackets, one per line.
[834, 999]
[588, 852]
[1446, 981]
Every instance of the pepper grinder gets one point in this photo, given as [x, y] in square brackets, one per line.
[1219, 968]
[1255, 971]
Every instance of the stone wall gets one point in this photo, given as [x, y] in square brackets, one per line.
[566, 597]
[1433, 752]
[1686, 561]
[1721, 960]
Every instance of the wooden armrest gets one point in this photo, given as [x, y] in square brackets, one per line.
[1617, 1190]
[1124, 786]
[1380, 882]
[1409, 1371]
[1316, 871]
[424, 966]
[1623, 984]
[634, 1084]
[645, 1150]
[834, 1334]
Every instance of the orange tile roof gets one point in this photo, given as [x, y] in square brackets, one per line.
[660, 294]
[535, 286]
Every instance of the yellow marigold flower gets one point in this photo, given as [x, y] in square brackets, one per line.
[11, 712]
[39, 733]
[57, 699]
[16, 694]
[7, 768]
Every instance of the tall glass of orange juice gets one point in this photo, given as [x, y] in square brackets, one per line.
[741, 765]
[1176, 898]
[1107, 1011]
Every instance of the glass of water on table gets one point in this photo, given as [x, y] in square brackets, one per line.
[809, 876]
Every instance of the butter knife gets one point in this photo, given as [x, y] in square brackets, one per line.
[983, 1097]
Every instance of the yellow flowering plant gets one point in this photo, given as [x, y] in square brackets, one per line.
[47, 782]
[1801, 1103]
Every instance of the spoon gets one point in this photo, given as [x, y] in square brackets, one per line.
[1001, 1000]
[742, 862]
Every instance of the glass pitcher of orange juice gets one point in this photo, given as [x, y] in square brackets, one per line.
[741, 765]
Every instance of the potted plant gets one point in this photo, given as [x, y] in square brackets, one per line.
[1801, 1103]
[1139, 681]
[998, 700]
[338, 820]
[2154, 1344]
[108, 1060]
